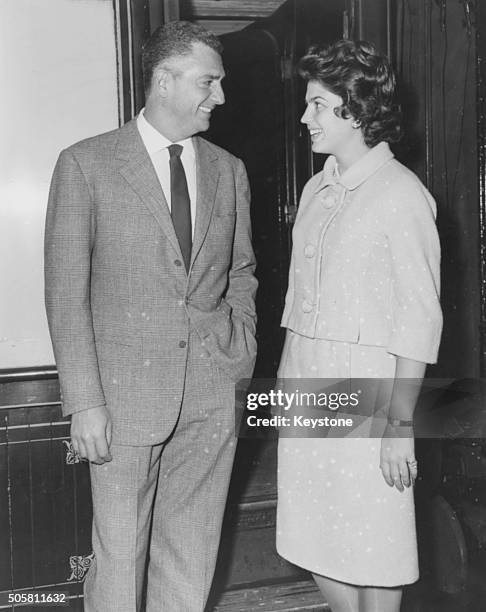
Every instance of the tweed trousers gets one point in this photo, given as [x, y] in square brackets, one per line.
[160, 508]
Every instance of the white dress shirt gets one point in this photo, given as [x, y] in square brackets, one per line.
[157, 147]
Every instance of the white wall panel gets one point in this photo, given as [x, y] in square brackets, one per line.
[59, 85]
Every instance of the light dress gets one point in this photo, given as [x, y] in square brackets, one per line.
[336, 516]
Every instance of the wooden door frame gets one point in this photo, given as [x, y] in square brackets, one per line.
[135, 20]
[481, 131]
[373, 19]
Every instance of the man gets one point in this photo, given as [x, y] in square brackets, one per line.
[150, 299]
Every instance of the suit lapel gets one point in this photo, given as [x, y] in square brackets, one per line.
[207, 182]
[138, 170]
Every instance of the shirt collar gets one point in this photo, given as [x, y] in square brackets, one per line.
[154, 141]
[361, 170]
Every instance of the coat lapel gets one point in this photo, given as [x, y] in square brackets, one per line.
[207, 182]
[137, 169]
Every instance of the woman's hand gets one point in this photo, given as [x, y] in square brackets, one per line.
[397, 457]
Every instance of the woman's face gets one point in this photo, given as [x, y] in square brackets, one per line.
[329, 133]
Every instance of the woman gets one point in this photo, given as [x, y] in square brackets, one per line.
[363, 302]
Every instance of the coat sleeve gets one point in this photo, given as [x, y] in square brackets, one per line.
[229, 333]
[415, 273]
[242, 284]
[69, 237]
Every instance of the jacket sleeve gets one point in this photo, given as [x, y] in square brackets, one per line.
[415, 273]
[229, 333]
[69, 237]
[242, 284]
[239, 350]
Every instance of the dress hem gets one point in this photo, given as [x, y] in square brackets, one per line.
[361, 583]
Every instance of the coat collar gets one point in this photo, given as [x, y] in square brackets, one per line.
[361, 170]
[138, 170]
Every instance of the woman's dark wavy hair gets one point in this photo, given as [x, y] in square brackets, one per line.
[365, 81]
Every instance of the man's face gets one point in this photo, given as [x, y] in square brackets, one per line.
[193, 89]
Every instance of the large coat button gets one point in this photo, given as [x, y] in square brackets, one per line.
[329, 201]
[307, 306]
[309, 251]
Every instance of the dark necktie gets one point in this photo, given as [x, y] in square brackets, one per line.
[180, 203]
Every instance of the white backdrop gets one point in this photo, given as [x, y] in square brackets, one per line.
[59, 85]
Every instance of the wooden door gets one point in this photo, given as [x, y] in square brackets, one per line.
[260, 124]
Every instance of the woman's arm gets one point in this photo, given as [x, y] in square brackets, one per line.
[409, 219]
[397, 461]
[406, 388]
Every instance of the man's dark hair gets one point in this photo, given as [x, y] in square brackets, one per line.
[173, 39]
[364, 79]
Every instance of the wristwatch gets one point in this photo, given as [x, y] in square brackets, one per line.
[399, 423]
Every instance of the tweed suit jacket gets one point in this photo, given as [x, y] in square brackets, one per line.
[120, 304]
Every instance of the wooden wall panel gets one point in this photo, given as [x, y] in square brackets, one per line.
[232, 9]
[437, 52]
[432, 44]
[223, 26]
[21, 517]
[372, 21]
[45, 501]
[481, 101]
[5, 539]
[45, 524]
[40, 502]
